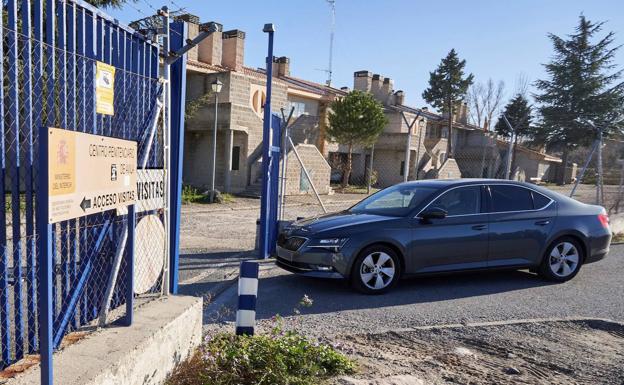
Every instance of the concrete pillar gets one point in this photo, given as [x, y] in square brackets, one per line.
[229, 143]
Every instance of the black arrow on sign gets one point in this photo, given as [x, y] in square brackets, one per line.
[85, 204]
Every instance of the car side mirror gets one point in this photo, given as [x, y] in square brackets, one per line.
[434, 213]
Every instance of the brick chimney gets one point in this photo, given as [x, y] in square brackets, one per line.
[387, 86]
[193, 30]
[362, 81]
[399, 97]
[461, 113]
[281, 66]
[376, 84]
[210, 49]
[233, 49]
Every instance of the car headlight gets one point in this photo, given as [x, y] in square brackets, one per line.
[328, 243]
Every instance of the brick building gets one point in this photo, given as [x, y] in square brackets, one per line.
[240, 115]
[477, 153]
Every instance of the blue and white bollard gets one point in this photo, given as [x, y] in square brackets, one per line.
[247, 294]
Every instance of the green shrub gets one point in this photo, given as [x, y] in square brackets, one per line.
[278, 358]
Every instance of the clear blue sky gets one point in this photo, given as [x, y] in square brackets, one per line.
[403, 39]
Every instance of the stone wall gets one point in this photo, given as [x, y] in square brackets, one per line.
[236, 113]
[315, 164]
[449, 170]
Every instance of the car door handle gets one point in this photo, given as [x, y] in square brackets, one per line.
[479, 227]
[543, 223]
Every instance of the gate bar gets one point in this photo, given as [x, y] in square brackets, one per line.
[44, 230]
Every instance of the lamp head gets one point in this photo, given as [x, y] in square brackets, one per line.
[216, 86]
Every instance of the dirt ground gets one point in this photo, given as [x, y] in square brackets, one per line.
[558, 352]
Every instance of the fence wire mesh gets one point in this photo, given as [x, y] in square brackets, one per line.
[46, 85]
[477, 154]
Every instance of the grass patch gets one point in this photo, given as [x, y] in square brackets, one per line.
[280, 358]
[353, 189]
[191, 195]
[227, 198]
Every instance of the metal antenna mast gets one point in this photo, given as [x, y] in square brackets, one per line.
[332, 5]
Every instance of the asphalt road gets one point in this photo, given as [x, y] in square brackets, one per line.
[597, 291]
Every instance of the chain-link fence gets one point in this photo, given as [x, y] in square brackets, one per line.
[342, 179]
[49, 80]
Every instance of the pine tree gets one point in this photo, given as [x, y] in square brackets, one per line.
[356, 119]
[447, 88]
[518, 112]
[582, 86]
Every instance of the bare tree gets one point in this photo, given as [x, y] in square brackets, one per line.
[521, 86]
[485, 100]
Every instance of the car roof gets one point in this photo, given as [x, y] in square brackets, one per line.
[442, 183]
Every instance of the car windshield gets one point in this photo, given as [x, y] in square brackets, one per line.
[396, 201]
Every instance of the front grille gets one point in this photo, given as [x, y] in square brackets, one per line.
[290, 243]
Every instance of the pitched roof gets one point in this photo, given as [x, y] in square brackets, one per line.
[521, 148]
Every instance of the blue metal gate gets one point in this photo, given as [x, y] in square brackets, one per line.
[49, 54]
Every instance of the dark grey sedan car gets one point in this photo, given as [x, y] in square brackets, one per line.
[442, 226]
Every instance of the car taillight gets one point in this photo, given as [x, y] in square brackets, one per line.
[604, 220]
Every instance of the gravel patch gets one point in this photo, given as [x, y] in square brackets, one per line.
[564, 352]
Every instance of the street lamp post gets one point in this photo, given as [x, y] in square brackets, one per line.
[215, 86]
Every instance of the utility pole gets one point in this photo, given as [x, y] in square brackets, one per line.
[332, 5]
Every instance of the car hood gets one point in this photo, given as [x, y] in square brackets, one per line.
[336, 221]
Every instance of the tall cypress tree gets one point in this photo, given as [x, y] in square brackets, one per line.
[583, 85]
[447, 89]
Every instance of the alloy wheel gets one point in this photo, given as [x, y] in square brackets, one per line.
[564, 259]
[377, 270]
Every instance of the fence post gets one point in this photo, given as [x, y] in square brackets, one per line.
[44, 230]
[247, 295]
[510, 149]
[370, 169]
[276, 129]
[406, 162]
[266, 144]
[579, 178]
[599, 181]
[177, 100]
[284, 167]
[130, 267]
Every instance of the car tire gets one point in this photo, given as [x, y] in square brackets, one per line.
[376, 270]
[562, 260]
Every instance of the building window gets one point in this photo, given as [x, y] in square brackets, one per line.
[401, 173]
[236, 158]
[299, 108]
[257, 102]
[304, 183]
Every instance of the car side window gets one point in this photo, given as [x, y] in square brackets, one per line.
[540, 201]
[510, 198]
[460, 201]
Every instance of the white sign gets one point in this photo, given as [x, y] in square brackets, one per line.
[150, 191]
[88, 174]
[149, 253]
